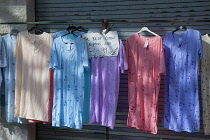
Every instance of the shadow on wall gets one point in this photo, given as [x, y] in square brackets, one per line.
[14, 131]
[12, 14]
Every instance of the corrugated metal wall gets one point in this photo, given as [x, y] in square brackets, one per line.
[53, 10]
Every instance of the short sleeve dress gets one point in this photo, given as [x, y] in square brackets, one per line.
[182, 54]
[9, 42]
[105, 79]
[69, 61]
[205, 83]
[145, 66]
[86, 105]
[32, 87]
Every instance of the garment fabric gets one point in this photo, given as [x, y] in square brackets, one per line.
[145, 66]
[86, 104]
[182, 52]
[60, 33]
[3, 62]
[68, 61]
[205, 83]
[3, 59]
[105, 78]
[9, 43]
[32, 75]
[50, 105]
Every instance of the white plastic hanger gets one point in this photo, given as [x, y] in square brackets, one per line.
[146, 29]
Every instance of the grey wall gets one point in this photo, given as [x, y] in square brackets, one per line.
[12, 11]
[54, 10]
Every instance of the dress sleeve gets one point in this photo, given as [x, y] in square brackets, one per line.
[54, 36]
[85, 55]
[123, 65]
[162, 59]
[54, 57]
[3, 59]
[200, 47]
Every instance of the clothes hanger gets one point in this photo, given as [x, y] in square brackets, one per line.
[180, 28]
[146, 29]
[81, 29]
[71, 28]
[37, 30]
[14, 31]
[71, 32]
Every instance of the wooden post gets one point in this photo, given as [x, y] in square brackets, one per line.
[107, 133]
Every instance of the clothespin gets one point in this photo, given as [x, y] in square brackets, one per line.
[105, 26]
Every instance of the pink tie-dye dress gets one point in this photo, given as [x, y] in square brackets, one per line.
[145, 65]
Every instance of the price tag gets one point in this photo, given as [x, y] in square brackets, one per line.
[69, 46]
[146, 44]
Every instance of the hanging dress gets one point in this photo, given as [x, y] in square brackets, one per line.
[205, 83]
[68, 61]
[182, 53]
[86, 104]
[145, 65]
[32, 87]
[105, 79]
[9, 43]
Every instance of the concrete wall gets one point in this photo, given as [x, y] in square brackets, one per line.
[14, 131]
[15, 11]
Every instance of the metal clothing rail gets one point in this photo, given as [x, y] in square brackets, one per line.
[141, 21]
[53, 22]
[102, 20]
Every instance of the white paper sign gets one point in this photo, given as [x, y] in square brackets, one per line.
[100, 44]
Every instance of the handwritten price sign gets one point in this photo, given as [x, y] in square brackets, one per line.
[101, 45]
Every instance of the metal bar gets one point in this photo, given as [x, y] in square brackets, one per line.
[53, 22]
[100, 20]
[140, 21]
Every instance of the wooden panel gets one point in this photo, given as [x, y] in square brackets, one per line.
[53, 10]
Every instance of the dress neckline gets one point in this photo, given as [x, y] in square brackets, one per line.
[181, 36]
[149, 39]
[70, 46]
[35, 39]
[72, 40]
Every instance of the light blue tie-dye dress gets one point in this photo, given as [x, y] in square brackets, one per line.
[69, 61]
